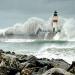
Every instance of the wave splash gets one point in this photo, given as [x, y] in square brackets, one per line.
[53, 52]
[32, 27]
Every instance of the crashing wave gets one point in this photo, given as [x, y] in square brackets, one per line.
[36, 28]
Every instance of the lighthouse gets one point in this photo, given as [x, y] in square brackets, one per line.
[55, 22]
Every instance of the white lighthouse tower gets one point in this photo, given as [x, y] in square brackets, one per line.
[55, 22]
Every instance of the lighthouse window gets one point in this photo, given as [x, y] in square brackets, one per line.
[55, 20]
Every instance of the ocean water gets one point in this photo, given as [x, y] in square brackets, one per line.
[43, 49]
[19, 38]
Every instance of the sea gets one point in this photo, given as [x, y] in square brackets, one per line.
[61, 46]
[43, 49]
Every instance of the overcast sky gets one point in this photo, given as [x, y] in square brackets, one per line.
[14, 11]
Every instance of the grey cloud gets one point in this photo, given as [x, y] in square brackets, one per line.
[36, 6]
[21, 9]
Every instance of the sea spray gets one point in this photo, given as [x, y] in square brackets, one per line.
[57, 53]
[69, 28]
[67, 31]
[21, 31]
[30, 26]
[34, 25]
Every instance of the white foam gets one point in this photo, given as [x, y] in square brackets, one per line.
[32, 25]
[56, 53]
[29, 26]
[19, 40]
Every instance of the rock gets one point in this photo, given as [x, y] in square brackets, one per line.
[13, 53]
[37, 66]
[22, 58]
[1, 57]
[60, 63]
[72, 68]
[46, 62]
[32, 62]
[1, 51]
[42, 70]
[56, 71]
[18, 73]
[26, 71]
[8, 52]
[4, 71]
[10, 63]
[31, 59]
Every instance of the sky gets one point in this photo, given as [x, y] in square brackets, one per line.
[18, 11]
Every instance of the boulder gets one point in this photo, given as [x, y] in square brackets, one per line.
[31, 59]
[22, 58]
[60, 63]
[57, 71]
[35, 65]
[10, 64]
[45, 62]
[1, 57]
[72, 68]
[13, 53]
[4, 71]
[8, 52]
[26, 71]
[1, 51]
[18, 73]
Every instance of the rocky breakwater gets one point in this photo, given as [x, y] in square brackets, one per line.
[13, 64]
